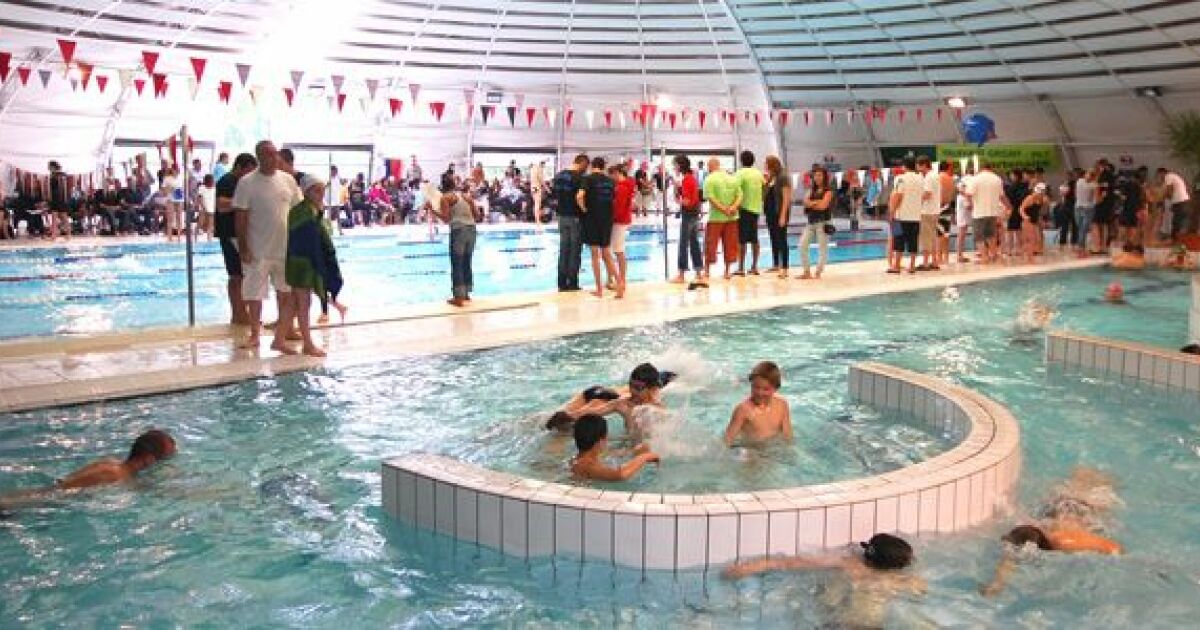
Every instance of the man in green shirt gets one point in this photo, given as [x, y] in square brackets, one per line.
[750, 182]
[724, 196]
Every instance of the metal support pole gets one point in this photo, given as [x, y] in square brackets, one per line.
[662, 174]
[187, 226]
[1064, 136]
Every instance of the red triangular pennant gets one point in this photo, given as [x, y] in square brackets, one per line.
[646, 114]
[224, 90]
[958, 114]
[437, 108]
[85, 74]
[530, 114]
[288, 93]
[5, 68]
[784, 115]
[139, 85]
[569, 118]
[149, 60]
[67, 48]
[101, 82]
[674, 118]
[900, 115]
[341, 102]
[160, 85]
[703, 119]
[608, 118]
[243, 71]
[920, 115]
[939, 114]
[198, 66]
[395, 105]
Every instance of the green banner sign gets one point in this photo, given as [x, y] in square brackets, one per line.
[1003, 156]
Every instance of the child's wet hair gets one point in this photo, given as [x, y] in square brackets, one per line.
[768, 371]
[559, 421]
[887, 552]
[589, 430]
[1025, 534]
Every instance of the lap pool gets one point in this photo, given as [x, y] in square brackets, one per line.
[271, 513]
[91, 289]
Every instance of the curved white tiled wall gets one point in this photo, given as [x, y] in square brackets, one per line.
[1194, 319]
[528, 518]
[1160, 366]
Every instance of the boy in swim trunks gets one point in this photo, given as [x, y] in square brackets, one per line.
[591, 438]
[644, 384]
[1070, 523]
[764, 414]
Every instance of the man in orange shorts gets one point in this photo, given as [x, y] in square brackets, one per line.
[724, 199]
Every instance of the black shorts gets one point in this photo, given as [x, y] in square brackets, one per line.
[1014, 221]
[908, 240]
[1104, 214]
[233, 260]
[596, 229]
[945, 221]
[1128, 219]
[747, 227]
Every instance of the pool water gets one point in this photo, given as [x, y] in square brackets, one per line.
[82, 289]
[271, 515]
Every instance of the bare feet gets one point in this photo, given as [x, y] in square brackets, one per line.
[806, 276]
[459, 302]
[294, 336]
[251, 343]
[341, 309]
[323, 319]
[678, 279]
[282, 348]
[817, 276]
[598, 293]
[314, 351]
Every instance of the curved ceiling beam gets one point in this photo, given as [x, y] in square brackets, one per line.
[737, 25]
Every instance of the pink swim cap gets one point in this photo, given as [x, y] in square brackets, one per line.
[1115, 289]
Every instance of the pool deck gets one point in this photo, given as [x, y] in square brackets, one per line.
[48, 372]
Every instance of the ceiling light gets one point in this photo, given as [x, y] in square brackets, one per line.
[1149, 92]
[957, 102]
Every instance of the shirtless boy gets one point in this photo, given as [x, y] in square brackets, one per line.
[645, 383]
[591, 438]
[765, 414]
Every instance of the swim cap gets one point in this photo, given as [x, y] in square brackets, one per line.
[885, 551]
[1115, 290]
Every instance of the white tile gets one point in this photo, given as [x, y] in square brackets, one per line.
[692, 551]
[1116, 361]
[1072, 357]
[1178, 370]
[406, 496]
[1192, 380]
[837, 526]
[879, 385]
[862, 520]
[541, 530]
[927, 511]
[488, 516]
[597, 535]
[1087, 355]
[1132, 364]
[783, 533]
[443, 507]
[907, 397]
[425, 513]
[568, 532]
[1162, 370]
[990, 498]
[887, 515]
[722, 539]
[962, 503]
[752, 535]
[945, 509]
[1102, 355]
[660, 543]
[388, 482]
[893, 393]
[1058, 349]
[855, 384]
[810, 530]
[466, 516]
[628, 538]
[976, 512]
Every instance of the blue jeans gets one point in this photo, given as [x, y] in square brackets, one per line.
[462, 247]
[1083, 223]
[570, 252]
[689, 242]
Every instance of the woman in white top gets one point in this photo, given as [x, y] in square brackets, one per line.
[1085, 208]
[206, 205]
[173, 198]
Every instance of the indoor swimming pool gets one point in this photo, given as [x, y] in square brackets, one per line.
[271, 511]
[84, 289]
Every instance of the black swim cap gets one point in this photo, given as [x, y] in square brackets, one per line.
[887, 552]
[597, 392]
[646, 375]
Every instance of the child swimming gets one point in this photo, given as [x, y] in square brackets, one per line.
[645, 383]
[869, 581]
[1070, 522]
[764, 414]
[591, 438]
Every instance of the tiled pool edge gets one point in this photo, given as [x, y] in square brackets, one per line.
[1143, 362]
[522, 517]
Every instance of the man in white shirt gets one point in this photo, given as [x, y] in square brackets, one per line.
[988, 205]
[931, 209]
[262, 202]
[962, 216]
[905, 208]
[1176, 198]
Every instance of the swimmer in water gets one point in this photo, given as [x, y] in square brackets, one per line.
[1070, 522]
[876, 577]
[645, 384]
[591, 438]
[764, 414]
[148, 449]
[1115, 293]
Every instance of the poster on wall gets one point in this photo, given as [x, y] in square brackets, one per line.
[1004, 156]
[895, 156]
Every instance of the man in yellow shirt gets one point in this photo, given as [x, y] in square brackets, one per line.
[750, 182]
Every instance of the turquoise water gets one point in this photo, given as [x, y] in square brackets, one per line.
[84, 289]
[270, 515]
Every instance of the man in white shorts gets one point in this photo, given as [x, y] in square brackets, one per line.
[962, 216]
[262, 202]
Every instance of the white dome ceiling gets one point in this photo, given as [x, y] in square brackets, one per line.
[804, 52]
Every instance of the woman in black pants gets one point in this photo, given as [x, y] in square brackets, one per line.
[777, 205]
[1064, 213]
